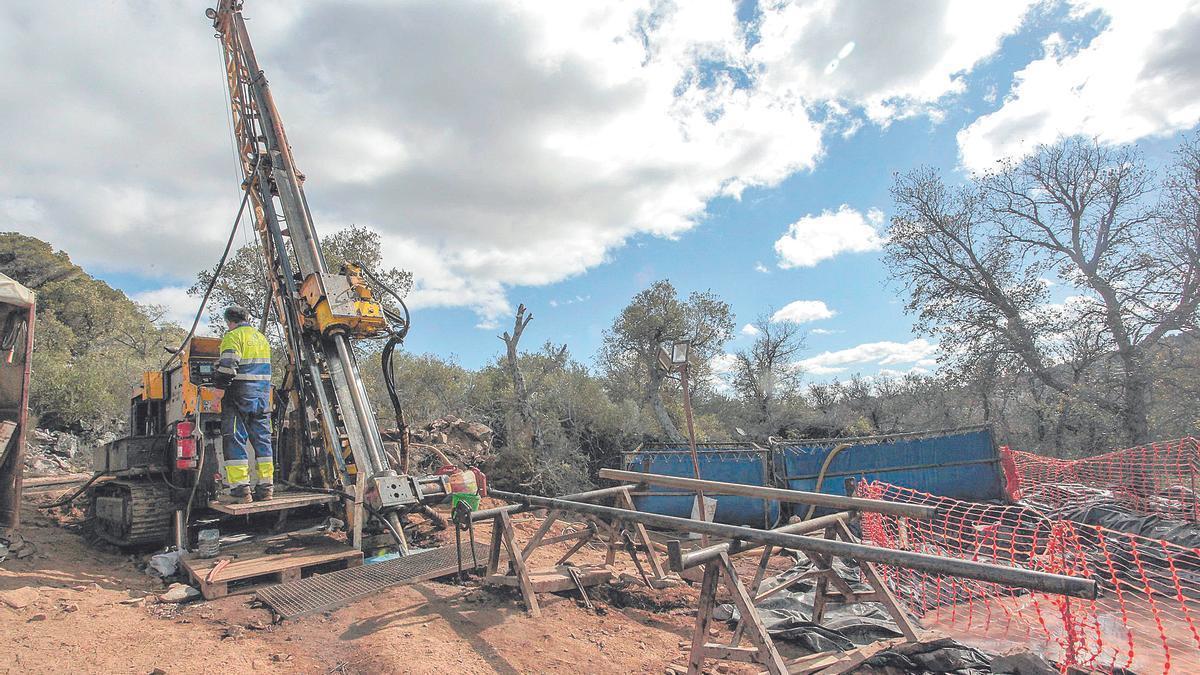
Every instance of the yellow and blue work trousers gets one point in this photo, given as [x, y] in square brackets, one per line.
[246, 417]
[245, 368]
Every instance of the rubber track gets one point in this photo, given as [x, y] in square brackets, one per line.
[151, 512]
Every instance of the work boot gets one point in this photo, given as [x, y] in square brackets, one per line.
[238, 494]
[263, 493]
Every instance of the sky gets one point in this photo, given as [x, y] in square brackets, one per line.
[565, 155]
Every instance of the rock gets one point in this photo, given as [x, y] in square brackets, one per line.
[1022, 663]
[36, 617]
[66, 445]
[257, 625]
[20, 598]
[69, 607]
[158, 671]
[232, 632]
[179, 593]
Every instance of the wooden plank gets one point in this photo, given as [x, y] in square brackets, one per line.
[281, 502]
[259, 562]
[518, 565]
[556, 580]
[755, 630]
[540, 534]
[591, 532]
[726, 653]
[708, 600]
[7, 429]
[883, 593]
[587, 532]
[755, 585]
[626, 501]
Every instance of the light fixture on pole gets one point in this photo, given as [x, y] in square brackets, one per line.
[675, 359]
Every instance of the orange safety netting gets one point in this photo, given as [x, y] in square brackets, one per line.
[1160, 478]
[1146, 619]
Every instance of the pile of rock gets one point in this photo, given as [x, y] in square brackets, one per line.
[463, 443]
[49, 453]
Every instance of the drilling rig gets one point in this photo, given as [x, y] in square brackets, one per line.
[328, 438]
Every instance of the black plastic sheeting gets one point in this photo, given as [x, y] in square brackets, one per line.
[787, 615]
[1122, 519]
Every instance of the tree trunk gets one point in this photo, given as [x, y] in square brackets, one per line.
[653, 396]
[1136, 413]
[525, 412]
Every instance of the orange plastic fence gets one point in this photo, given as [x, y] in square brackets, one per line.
[1160, 478]
[1146, 620]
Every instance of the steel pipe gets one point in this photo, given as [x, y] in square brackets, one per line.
[703, 555]
[777, 494]
[514, 509]
[1008, 576]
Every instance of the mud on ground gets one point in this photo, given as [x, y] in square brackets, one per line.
[88, 610]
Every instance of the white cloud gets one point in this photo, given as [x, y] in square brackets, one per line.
[824, 331]
[492, 145]
[180, 308]
[890, 59]
[918, 351]
[723, 366]
[814, 238]
[802, 311]
[759, 267]
[1136, 78]
[750, 330]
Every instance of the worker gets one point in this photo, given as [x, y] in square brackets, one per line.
[244, 372]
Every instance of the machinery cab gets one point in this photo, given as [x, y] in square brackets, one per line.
[172, 453]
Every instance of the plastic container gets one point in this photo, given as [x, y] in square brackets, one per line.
[208, 543]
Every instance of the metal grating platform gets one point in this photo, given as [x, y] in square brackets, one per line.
[323, 591]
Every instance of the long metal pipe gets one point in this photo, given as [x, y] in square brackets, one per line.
[1008, 576]
[703, 555]
[790, 496]
[578, 496]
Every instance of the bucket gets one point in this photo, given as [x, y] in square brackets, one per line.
[208, 543]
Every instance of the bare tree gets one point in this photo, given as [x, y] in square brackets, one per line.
[525, 411]
[767, 374]
[975, 261]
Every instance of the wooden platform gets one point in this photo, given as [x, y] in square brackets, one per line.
[281, 502]
[252, 566]
[555, 579]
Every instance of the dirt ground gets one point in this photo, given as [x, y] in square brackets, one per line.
[87, 613]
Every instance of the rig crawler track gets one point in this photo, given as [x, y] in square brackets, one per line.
[130, 513]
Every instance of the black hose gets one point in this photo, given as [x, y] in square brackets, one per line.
[220, 265]
[387, 364]
[74, 495]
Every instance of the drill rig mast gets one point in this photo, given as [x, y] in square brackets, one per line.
[333, 426]
[328, 439]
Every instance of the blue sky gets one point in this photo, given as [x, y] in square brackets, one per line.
[566, 157]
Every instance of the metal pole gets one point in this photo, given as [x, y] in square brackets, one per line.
[703, 555]
[1008, 576]
[691, 429]
[778, 494]
[513, 509]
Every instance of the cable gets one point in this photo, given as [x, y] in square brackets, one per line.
[12, 331]
[220, 265]
[74, 495]
[187, 511]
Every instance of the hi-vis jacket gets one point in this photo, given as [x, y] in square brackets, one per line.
[245, 355]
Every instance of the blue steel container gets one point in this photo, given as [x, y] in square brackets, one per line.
[962, 464]
[725, 462]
